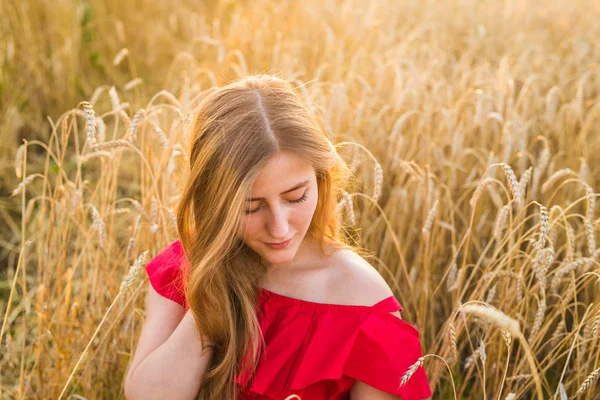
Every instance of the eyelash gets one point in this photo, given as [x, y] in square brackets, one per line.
[300, 200]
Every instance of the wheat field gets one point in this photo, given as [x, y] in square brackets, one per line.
[472, 125]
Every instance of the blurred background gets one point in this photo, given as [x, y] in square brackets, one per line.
[472, 125]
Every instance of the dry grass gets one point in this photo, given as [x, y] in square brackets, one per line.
[479, 122]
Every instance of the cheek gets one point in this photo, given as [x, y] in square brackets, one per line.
[250, 229]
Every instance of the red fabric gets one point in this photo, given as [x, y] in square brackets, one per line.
[316, 350]
[165, 274]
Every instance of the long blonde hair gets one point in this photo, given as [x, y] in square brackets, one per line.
[235, 131]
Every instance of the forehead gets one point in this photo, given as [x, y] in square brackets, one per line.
[283, 171]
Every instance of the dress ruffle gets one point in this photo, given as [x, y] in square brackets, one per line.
[165, 273]
[384, 349]
[311, 342]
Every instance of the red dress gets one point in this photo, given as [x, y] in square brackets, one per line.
[316, 350]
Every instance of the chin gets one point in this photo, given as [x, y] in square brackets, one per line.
[277, 257]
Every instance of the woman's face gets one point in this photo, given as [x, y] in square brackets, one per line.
[280, 208]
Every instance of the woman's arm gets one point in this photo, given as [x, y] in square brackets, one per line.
[362, 391]
[171, 368]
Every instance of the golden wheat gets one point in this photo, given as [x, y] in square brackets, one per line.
[82, 147]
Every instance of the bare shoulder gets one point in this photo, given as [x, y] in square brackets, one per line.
[353, 280]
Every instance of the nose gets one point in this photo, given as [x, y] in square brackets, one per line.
[277, 224]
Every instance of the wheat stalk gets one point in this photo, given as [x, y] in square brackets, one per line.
[86, 157]
[507, 337]
[154, 215]
[114, 98]
[539, 318]
[411, 370]
[543, 161]
[411, 169]
[98, 225]
[491, 294]
[494, 316]
[524, 181]
[430, 217]
[571, 242]
[558, 331]
[21, 186]
[541, 264]
[555, 211]
[512, 326]
[101, 128]
[591, 239]
[518, 377]
[349, 206]
[596, 325]
[513, 183]
[90, 123]
[120, 211]
[555, 177]
[19, 158]
[520, 286]
[452, 340]
[552, 99]
[501, 218]
[134, 270]
[479, 190]
[125, 285]
[455, 282]
[478, 354]
[583, 170]
[131, 243]
[133, 83]
[591, 201]
[120, 56]
[136, 120]
[560, 272]
[378, 181]
[113, 144]
[482, 353]
[544, 228]
[161, 136]
[588, 382]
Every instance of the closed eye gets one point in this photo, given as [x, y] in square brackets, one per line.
[300, 200]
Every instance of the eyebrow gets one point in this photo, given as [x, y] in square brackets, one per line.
[304, 183]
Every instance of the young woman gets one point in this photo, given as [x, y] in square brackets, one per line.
[260, 298]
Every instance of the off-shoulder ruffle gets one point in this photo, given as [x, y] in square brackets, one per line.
[310, 342]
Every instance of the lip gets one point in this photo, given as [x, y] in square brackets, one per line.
[281, 245]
